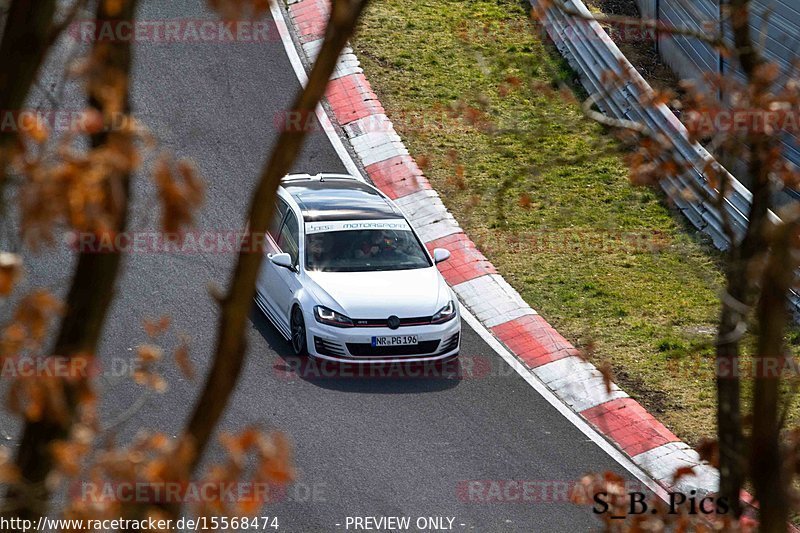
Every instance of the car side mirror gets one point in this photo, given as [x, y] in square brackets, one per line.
[440, 254]
[283, 260]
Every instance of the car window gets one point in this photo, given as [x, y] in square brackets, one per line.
[290, 237]
[277, 217]
[364, 250]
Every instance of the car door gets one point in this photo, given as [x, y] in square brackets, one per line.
[288, 281]
[278, 284]
[269, 281]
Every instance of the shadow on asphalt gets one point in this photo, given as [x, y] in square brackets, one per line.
[407, 378]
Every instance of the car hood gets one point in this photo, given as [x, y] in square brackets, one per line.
[404, 293]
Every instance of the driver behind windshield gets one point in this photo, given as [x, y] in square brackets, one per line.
[320, 246]
[364, 250]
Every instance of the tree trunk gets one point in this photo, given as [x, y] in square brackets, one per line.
[740, 287]
[26, 38]
[769, 474]
[87, 304]
[230, 349]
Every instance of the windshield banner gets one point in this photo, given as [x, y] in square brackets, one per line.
[397, 224]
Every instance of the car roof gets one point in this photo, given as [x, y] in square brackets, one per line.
[336, 197]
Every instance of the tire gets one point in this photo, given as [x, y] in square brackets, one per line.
[299, 339]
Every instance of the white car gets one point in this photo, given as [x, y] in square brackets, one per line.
[348, 279]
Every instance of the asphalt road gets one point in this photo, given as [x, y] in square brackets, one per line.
[362, 447]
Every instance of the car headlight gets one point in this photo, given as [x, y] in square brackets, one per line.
[331, 317]
[445, 313]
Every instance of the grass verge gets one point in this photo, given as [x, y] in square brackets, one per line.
[544, 193]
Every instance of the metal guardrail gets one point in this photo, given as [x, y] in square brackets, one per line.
[592, 54]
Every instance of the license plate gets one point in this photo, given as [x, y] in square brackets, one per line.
[399, 340]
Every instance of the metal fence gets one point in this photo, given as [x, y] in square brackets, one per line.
[688, 57]
[773, 24]
[592, 54]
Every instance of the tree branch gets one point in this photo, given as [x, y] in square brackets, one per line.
[236, 304]
[740, 286]
[68, 19]
[26, 39]
[770, 476]
[91, 290]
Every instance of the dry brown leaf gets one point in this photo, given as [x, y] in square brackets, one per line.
[10, 272]
[156, 327]
[183, 360]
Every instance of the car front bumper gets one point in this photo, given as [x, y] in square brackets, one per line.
[436, 342]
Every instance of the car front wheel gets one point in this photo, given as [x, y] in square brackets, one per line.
[299, 343]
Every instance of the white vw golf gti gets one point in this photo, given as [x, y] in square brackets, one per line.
[347, 278]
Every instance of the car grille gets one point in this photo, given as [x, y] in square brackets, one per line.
[329, 348]
[368, 350]
[450, 344]
[384, 322]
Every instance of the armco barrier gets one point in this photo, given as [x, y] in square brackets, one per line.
[592, 54]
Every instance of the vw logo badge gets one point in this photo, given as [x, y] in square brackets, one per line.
[393, 322]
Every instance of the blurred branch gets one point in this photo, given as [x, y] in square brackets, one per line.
[770, 477]
[741, 286]
[26, 39]
[236, 304]
[612, 122]
[748, 55]
[93, 282]
[725, 187]
[68, 19]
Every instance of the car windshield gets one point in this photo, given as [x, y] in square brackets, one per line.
[364, 250]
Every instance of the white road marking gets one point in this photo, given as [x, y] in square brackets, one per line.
[664, 460]
[492, 300]
[300, 72]
[428, 215]
[579, 383]
[591, 433]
